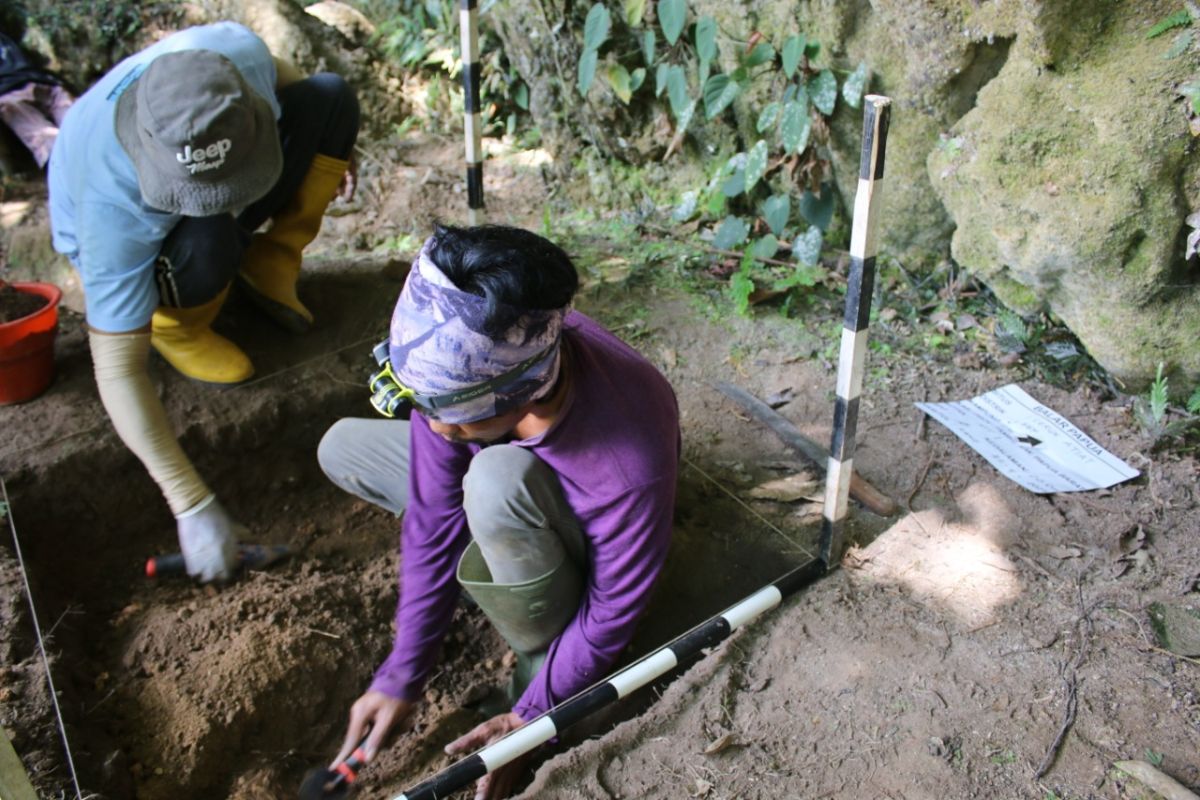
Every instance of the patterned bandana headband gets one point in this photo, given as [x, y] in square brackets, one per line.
[438, 348]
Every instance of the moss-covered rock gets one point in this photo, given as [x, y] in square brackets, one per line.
[1070, 180]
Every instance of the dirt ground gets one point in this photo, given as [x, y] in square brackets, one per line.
[941, 660]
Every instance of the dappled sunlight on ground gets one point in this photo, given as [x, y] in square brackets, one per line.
[953, 562]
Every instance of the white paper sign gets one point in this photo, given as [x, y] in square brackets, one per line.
[1030, 443]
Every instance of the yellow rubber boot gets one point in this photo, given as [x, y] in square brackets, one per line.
[183, 337]
[271, 265]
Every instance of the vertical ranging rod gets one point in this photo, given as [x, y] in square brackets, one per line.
[876, 114]
[469, 25]
[544, 728]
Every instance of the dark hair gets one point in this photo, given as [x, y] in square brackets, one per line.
[513, 269]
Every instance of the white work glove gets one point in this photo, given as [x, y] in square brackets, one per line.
[209, 537]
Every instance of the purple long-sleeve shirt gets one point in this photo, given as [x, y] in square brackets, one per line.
[615, 449]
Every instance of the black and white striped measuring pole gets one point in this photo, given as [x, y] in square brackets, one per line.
[469, 28]
[556, 720]
[860, 288]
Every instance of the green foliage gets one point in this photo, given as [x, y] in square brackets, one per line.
[719, 92]
[1158, 396]
[732, 232]
[1012, 331]
[1193, 403]
[776, 210]
[672, 14]
[775, 201]
[756, 165]
[1177, 20]
[587, 71]
[807, 247]
[596, 28]
[824, 92]
[423, 36]
[796, 127]
[87, 27]
[793, 51]
[1154, 757]
[1154, 413]
[634, 11]
[855, 85]
[818, 208]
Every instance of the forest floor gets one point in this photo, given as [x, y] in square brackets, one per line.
[959, 642]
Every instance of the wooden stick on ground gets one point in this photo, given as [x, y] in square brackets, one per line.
[816, 456]
[1156, 780]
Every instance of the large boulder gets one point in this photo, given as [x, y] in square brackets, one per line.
[1070, 181]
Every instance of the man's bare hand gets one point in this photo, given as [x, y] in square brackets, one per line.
[499, 783]
[381, 713]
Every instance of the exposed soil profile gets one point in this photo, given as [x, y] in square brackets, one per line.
[935, 663]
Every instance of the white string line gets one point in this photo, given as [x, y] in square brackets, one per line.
[62, 728]
[747, 506]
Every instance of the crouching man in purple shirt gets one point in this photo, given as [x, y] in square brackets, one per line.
[537, 472]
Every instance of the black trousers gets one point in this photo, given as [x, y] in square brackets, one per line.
[201, 255]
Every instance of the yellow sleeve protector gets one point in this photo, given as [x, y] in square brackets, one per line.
[139, 418]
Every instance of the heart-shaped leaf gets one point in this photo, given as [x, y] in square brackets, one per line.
[735, 184]
[649, 42]
[776, 211]
[807, 247]
[687, 206]
[731, 232]
[794, 129]
[672, 14]
[765, 247]
[677, 89]
[767, 117]
[818, 209]
[635, 10]
[619, 80]
[637, 78]
[793, 49]
[719, 92]
[823, 92]
[685, 117]
[587, 71]
[812, 50]
[761, 54]
[756, 164]
[855, 85]
[596, 28]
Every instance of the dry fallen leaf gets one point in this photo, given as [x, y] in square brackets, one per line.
[788, 489]
[701, 788]
[1062, 553]
[719, 744]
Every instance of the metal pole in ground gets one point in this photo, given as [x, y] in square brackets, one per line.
[469, 29]
[860, 288]
[544, 728]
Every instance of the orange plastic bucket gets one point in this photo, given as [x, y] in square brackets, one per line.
[27, 347]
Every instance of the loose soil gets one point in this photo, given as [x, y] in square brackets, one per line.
[940, 660]
[15, 305]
